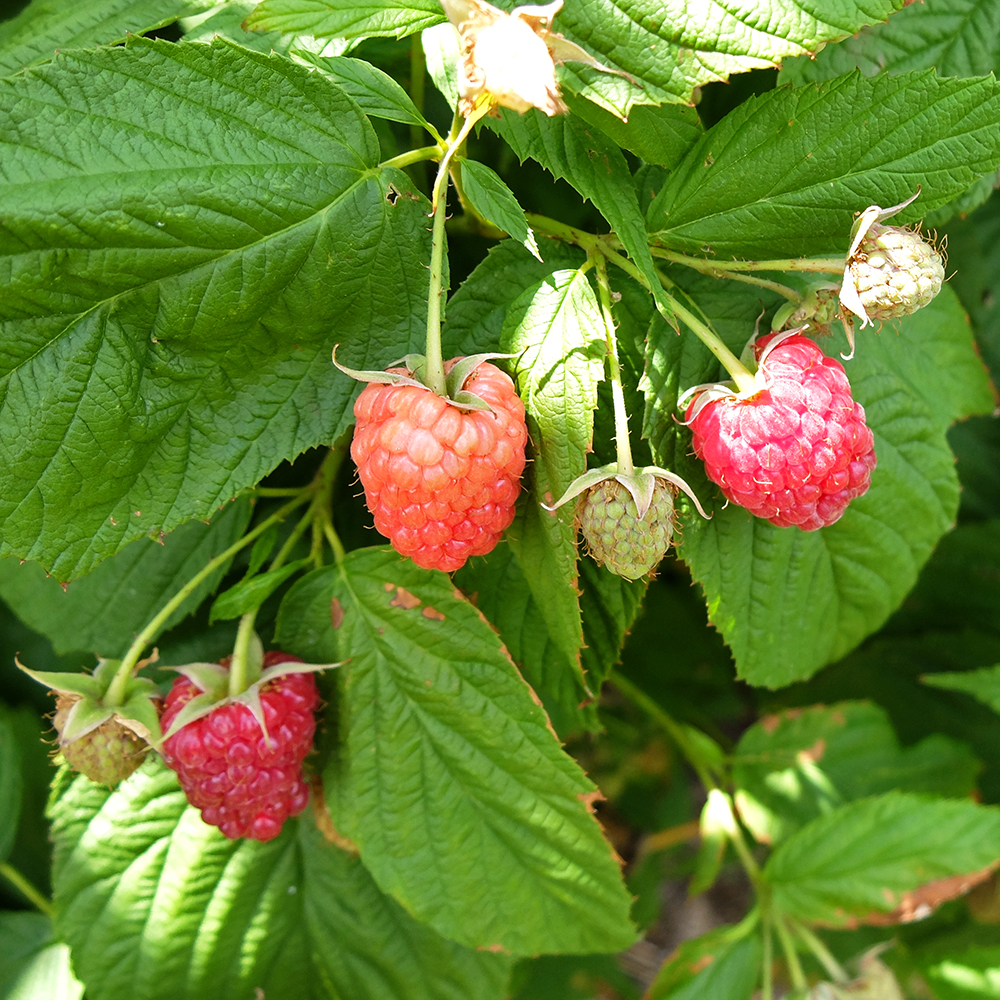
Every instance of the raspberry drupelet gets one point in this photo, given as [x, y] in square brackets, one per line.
[796, 452]
[441, 482]
[244, 783]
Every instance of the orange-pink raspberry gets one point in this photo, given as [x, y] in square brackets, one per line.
[244, 783]
[795, 453]
[441, 482]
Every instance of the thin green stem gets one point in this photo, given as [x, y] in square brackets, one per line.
[434, 370]
[824, 265]
[675, 731]
[767, 980]
[623, 445]
[414, 156]
[799, 981]
[26, 889]
[116, 691]
[815, 944]
[741, 375]
[239, 665]
[545, 226]
[270, 491]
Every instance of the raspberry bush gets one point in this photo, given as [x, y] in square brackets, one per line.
[602, 660]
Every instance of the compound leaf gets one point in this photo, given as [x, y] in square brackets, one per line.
[785, 173]
[103, 611]
[155, 903]
[171, 285]
[865, 856]
[452, 782]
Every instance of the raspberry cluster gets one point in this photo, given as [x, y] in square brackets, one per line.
[794, 453]
[440, 482]
[244, 783]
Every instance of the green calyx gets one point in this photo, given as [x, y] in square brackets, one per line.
[417, 376]
[84, 709]
[213, 680]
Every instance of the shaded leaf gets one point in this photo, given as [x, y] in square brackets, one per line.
[161, 316]
[11, 782]
[32, 965]
[251, 593]
[793, 766]
[557, 332]
[723, 964]
[45, 26]
[105, 610]
[785, 173]
[155, 903]
[983, 685]
[452, 783]
[863, 857]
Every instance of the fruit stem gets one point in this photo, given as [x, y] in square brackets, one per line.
[623, 445]
[791, 955]
[434, 370]
[115, 694]
[833, 968]
[821, 265]
[239, 666]
[740, 374]
[27, 890]
[767, 984]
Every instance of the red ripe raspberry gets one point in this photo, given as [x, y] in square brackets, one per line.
[796, 452]
[441, 482]
[244, 784]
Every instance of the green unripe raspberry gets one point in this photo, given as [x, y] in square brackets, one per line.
[896, 272]
[617, 537]
[107, 754]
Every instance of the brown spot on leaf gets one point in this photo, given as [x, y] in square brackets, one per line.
[770, 722]
[336, 613]
[815, 752]
[703, 963]
[922, 901]
[324, 821]
[433, 614]
[496, 949]
[404, 599]
[388, 587]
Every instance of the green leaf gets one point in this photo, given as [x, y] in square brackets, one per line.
[478, 309]
[785, 173]
[155, 903]
[714, 827]
[343, 19]
[32, 966]
[452, 783]
[496, 203]
[585, 157]
[968, 974]
[103, 611]
[655, 134]
[952, 37]
[557, 331]
[960, 588]
[377, 94]
[251, 593]
[796, 765]
[45, 26]
[496, 585]
[788, 601]
[11, 783]
[864, 857]
[983, 685]
[172, 285]
[723, 964]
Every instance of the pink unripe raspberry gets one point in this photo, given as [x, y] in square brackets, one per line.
[244, 783]
[796, 452]
[441, 482]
